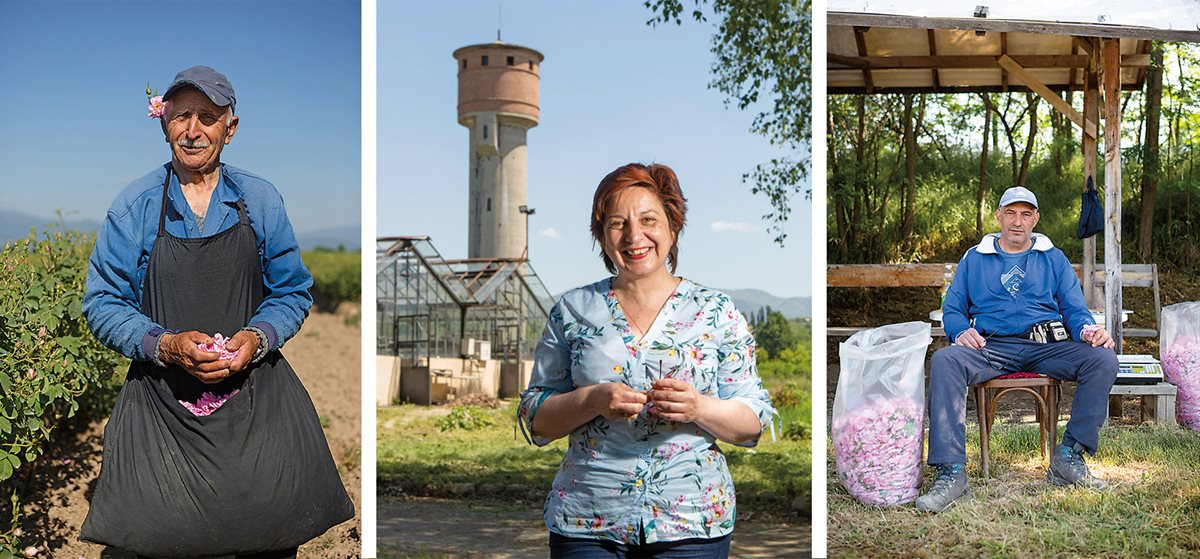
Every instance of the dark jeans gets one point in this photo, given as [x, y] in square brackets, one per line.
[562, 547]
[954, 368]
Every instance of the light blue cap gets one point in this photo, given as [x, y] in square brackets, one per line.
[1018, 194]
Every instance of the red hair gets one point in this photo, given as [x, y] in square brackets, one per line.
[660, 180]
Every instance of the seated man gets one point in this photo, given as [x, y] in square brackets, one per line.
[1015, 305]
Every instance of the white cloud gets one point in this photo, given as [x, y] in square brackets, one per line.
[548, 233]
[731, 227]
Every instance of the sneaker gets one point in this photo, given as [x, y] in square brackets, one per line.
[950, 485]
[1067, 468]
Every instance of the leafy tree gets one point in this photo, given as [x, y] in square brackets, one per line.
[775, 334]
[763, 48]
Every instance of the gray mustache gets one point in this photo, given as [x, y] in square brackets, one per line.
[193, 144]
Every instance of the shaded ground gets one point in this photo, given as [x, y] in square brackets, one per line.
[325, 355]
[445, 528]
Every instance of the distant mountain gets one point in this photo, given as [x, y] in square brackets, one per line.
[15, 224]
[348, 237]
[750, 300]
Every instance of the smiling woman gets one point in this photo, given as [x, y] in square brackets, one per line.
[644, 372]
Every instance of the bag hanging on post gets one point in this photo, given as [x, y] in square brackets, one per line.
[1091, 212]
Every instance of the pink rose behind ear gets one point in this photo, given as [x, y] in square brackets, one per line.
[156, 107]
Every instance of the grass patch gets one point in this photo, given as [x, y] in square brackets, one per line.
[1151, 510]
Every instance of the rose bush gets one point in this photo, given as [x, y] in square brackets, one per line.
[51, 367]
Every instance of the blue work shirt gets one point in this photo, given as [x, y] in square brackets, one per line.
[117, 267]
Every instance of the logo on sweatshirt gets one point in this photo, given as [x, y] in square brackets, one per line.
[1012, 280]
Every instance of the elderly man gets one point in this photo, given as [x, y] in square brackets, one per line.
[1015, 305]
[210, 450]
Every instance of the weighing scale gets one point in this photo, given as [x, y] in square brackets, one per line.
[1138, 369]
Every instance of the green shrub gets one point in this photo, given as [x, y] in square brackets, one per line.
[465, 418]
[51, 366]
[337, 276]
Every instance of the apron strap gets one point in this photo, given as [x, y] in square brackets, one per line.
[162, 212]
[242, 217]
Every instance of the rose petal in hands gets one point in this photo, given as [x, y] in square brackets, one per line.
[245, 344]
[183, 349]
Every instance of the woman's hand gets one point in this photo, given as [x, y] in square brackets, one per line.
[676, 400]
[615, 400]
[183, 349]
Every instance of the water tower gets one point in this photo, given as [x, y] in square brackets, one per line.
[498, 103]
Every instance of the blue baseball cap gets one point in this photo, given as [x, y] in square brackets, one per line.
[212, 83]
[1018, 194]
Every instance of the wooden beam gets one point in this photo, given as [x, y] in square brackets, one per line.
[1082, 43]
[860, 41]
[851, 61]
[1038, 87]
[1141, 60]
[886, 275]
[888, 90]
[1074, 47]
[946, 62]
[836, 18]
[1143, 50]
[1111, 77]
[1004, 52]
[932, 275]
[937, 82]
[1091, 111]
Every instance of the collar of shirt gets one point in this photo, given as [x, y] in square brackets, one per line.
[220, 215]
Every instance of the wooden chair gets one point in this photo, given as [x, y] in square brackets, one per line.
[1044, 389]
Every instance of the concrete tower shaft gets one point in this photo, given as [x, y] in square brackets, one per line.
[498, 103]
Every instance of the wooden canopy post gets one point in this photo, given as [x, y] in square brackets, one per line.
[1091, 111]
[1110, 50]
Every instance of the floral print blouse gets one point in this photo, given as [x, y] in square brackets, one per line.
[621, 479]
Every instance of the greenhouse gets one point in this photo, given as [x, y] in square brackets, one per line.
[453, 327]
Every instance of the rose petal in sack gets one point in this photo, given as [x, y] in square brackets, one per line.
[878, 451]
[1181, 367]
[207, 404]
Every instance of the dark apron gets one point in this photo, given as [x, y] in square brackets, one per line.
[254, 476]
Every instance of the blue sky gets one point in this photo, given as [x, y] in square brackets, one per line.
[73, 125]
[613, 90]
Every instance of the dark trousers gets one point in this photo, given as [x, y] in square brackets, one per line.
[954, 368]
[563, 547]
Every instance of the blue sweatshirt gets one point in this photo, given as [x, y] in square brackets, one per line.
[1050, 291]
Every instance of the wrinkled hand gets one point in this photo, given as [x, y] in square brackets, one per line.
[676, 400]
[245, 343]
[1100, 337]
[183, 349]
[615, 400]
[970, 338]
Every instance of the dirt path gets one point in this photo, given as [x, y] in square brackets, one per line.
[448, 528]
[53, 518]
